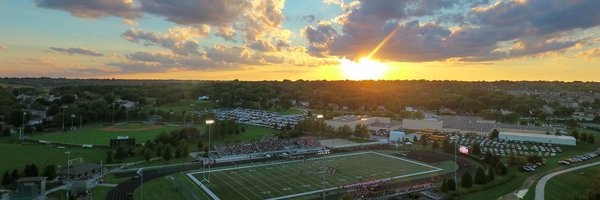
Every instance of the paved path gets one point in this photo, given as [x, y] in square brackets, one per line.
[539, 188]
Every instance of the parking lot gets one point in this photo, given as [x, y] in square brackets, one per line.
[506, 148]
[258, 117]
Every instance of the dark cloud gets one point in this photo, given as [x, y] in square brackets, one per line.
[76, 50]
[93, 8]
[485, 32]
[318, 39]
[197, 11]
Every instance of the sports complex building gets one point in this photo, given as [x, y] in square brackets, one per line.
[373, 123]
[480, 126]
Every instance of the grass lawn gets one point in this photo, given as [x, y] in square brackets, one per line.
[94, 134]
[17, 156]
[293, 177]
[571, 184]
[186, 105]
[166, 187]
[100, 192]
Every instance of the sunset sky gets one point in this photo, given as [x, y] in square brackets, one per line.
[301, 39]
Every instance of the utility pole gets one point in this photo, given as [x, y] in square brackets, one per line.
[209, 123]
[23, 128]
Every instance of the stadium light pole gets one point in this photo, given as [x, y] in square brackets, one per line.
[72, 118]
[319, 117]
[455, 139]
[63, 117]
[209, 122]
[23, 128]
[68, 173]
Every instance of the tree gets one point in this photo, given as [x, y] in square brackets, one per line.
[591, 138]
[167, 153]
[494, 134]
[435, 145]
[14, 175]
[6, 180]
[583, 137]
[480, 177]
[571, 123]
[501, 169]
[415, 139]
[200, 145]
[50, 172]
[466, 181]
[451, 185]
[34, 171]
[344, 131]
[361, 131]
[575, 134]
[109, 157]
[444, 187]
[147, 155]
[476, 149]
[491, 175]
[424, 141]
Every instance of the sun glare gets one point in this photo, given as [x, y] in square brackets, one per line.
[363, 69]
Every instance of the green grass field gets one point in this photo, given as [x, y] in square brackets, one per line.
[94, 134]
[279, 180]
[571, 184]
[17, 156]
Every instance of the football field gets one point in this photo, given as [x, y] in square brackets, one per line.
[283, 180]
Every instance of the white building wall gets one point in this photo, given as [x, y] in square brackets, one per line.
[552, 139]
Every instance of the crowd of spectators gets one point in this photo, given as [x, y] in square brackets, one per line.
[267, 144]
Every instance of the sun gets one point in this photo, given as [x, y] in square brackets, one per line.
[363, 69]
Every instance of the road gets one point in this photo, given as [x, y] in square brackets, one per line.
[539, 188]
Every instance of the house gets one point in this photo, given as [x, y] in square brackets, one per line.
[127, 104]
[31, 188]
[203, 98]
[305, 104]
[35, 121]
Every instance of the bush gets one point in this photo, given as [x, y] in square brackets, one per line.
[167, 153]
[444, 187]
[591, 138]
[467, 180]
[491, 175]
[480, 177]
[583, 137]
[451, 185]
[501, 169]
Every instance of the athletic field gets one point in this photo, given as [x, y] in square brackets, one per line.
[296, 178]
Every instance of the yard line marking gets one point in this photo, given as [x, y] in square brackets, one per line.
[234, 188]
[251, 188]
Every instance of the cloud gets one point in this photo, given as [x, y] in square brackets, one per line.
[428, 31]
[164, 61]
[590, 54]
[196, 12]
[180, 40]
[3, 47]
[130, 22]
[93, 9]
[77, 50]
[226, 32]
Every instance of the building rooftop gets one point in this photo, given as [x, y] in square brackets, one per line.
[533, 134]
[348, 118]
[32, 179]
